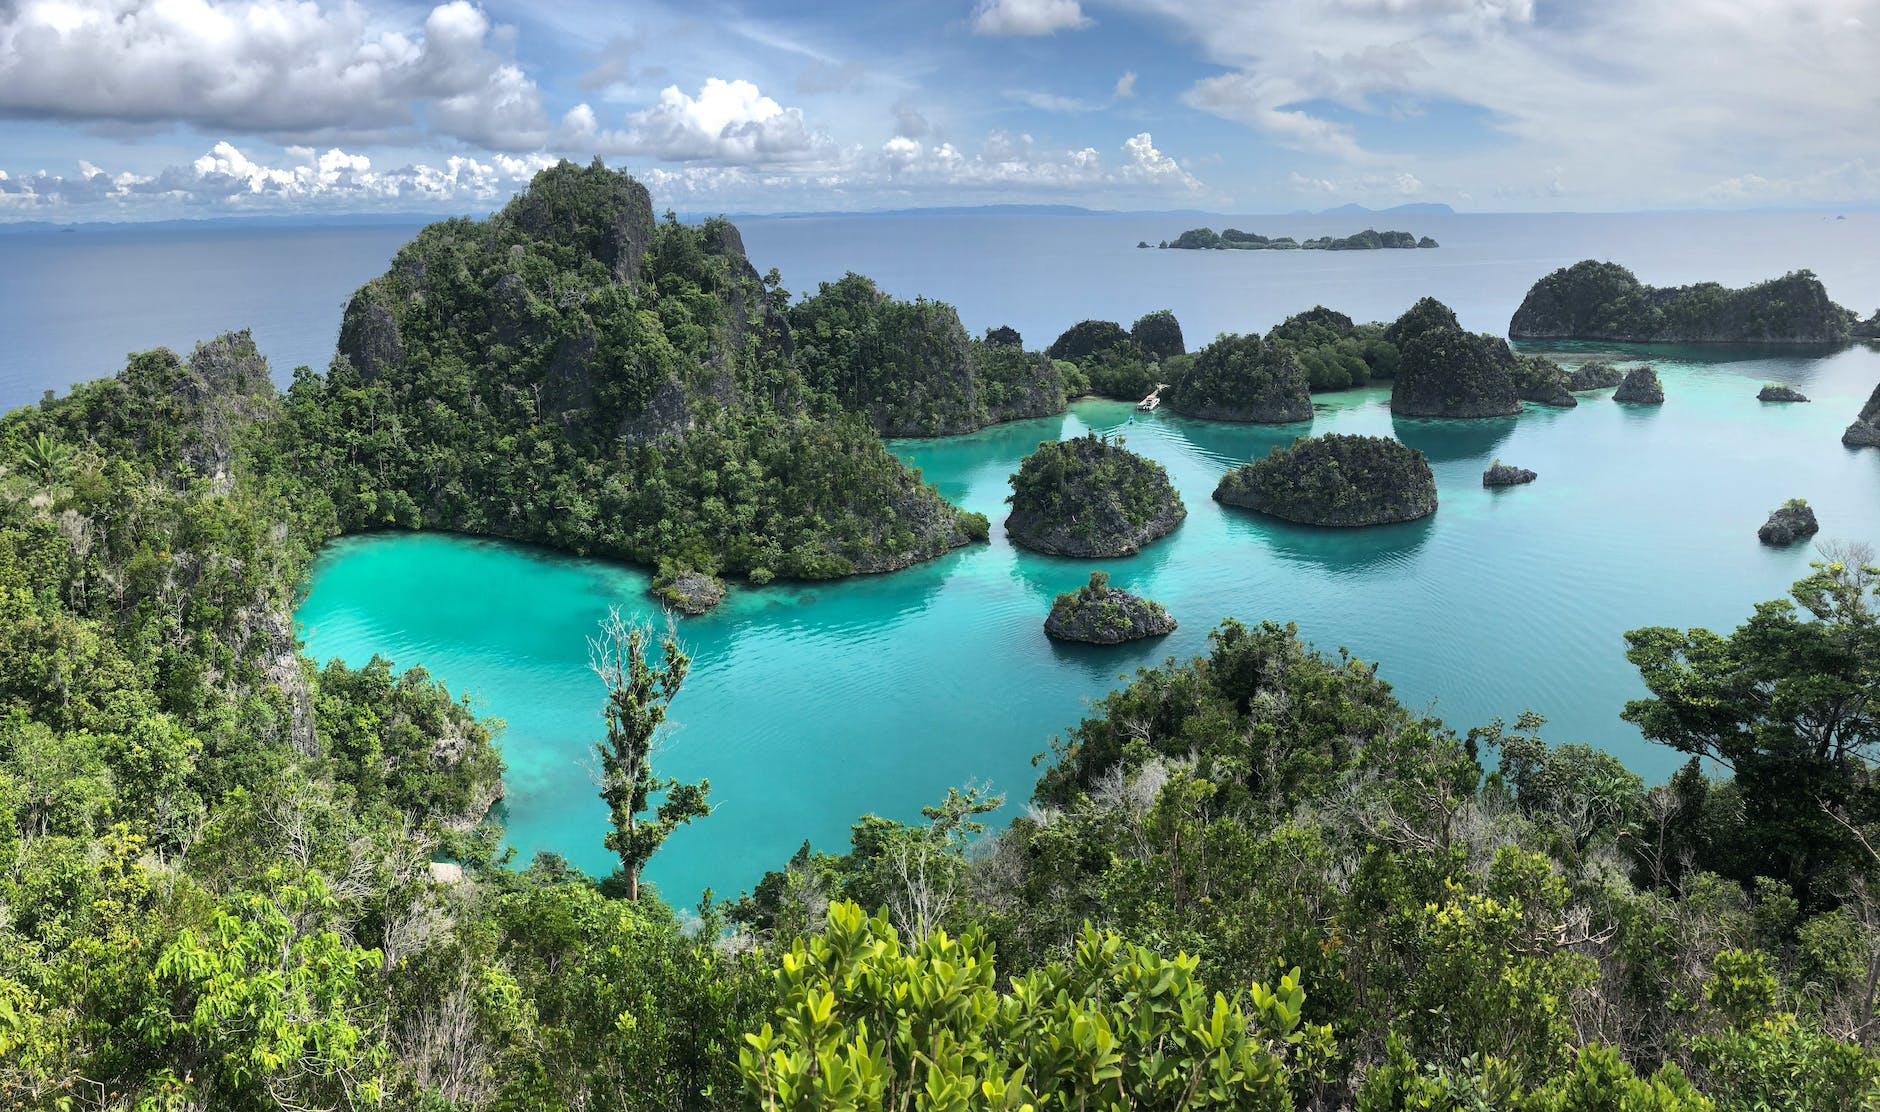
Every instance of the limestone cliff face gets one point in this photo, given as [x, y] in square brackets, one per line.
[1604, 301]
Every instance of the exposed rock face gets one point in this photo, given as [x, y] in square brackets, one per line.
[1090, 497]
[1501, 475]
[369, 336]
[690, 592]
[1335, 479]
[1780, 392]
[1446, 372]
[1790, 523]
[563, 212]
[1605, 301]
[1641, 387]
[1595, 376]
[1100, 614]
[1242, 378]
[1865, 431]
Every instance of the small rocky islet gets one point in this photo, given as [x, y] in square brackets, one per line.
[1780, 392]
[1789, 523]
[1099, 614]
[1090, 497]
[1641, 387]
[1335, 480]
[1500, 474]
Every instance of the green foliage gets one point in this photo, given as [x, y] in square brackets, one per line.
[638, 695]
[1335, 479]
[1159, 335]
[1785, 702]
[1240, 378]
[1090, 495]
[1233, 239]
[1601, 300]
[866, 1021]
[1446, 372]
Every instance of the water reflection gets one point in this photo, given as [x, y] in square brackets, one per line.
[1446, 440]
[1338, 552]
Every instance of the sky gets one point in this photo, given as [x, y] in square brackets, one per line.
[149, 109]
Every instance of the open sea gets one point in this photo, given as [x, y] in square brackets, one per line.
[811, 704]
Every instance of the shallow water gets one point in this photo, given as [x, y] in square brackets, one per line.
[810, 704]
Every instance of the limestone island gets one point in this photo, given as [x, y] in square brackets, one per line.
[1242, 378]
[1335, 353]
[1443, 371]
[1101, 357]
[1500, 474]
[1090, 497]
[1780, 392]
[1865, 431]
[1233, 239]
[1641, 387]
[1335, 479]
[1597, 375]
[688, 592]
[1604, 301]
[1792, 521]
[1099, 614]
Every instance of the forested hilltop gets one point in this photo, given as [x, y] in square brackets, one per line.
[573, 372]
[1604, 301]
[1255, 879]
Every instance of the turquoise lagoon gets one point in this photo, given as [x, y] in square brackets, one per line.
[811, 704]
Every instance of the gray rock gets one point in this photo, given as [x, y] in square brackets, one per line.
[1779, 392]
[1865, 431]
[1641, 387]
[1100, 614]
[1789, 524]
[691, 592]
[369, 336]
[1501, 475]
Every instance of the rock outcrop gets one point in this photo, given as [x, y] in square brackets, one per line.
[1090, 497]
[1791, 522]
[1100, 614]
[689, 592]
[1539, 380]
[1865, 431]
[1500, 474]
[1159, 335]
[1446, 372]
[1242, 378]
[1335, 479]
[1605, 301]
[1780, 392]
[1641, 387]
[1594, 376]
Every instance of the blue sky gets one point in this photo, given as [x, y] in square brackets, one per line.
[137, 109]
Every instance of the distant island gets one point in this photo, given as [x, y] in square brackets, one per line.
[1593, 300]
[1233, 239]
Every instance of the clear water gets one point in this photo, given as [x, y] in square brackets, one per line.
[812, 704]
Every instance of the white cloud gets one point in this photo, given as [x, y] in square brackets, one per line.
[285, 68]
[1028, 17]
[1396, 187]
[1758, 91]
[1050, 102]
[728, 121]
[228, 181]
[1125, 86]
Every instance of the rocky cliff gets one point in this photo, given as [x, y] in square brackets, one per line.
[1100, 614]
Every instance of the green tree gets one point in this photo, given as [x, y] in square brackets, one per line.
[638, 695]
[1786, 703]
[47, 461]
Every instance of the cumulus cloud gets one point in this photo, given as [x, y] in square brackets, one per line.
[1784, 94]
[1008, 160]
[728, 121]
[1125, 86]
[284, 68]
[226, 180]
[1028, 17]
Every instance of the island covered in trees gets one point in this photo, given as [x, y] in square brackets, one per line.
[1090, 497]
[1100, 614]
[1335, 479]
[1249, 877]
[1593, 300]
[1233, 239]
